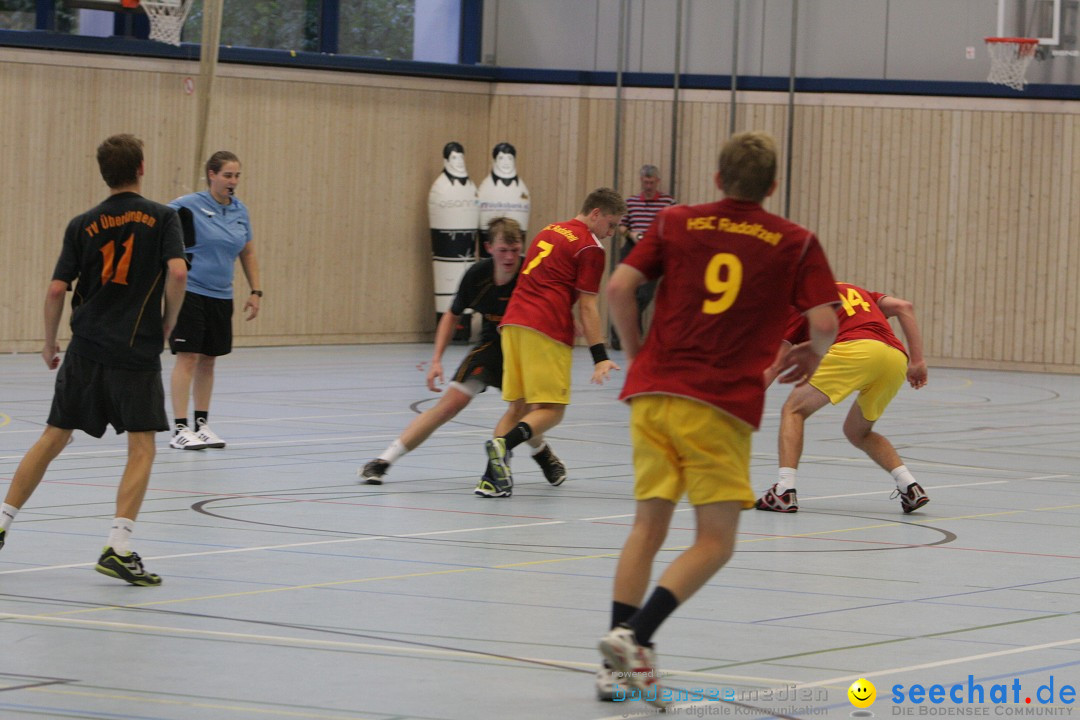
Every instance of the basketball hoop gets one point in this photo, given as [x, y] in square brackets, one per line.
[1009, 59]
[166, 18]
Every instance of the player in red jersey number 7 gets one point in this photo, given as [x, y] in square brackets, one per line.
[563, 268]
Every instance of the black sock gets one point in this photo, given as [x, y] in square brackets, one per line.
[518, 435]
[655, 611]
[620, 613]
[181, 421]
[201, 415]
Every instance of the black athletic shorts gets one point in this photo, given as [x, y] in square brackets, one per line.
[204, 326]
[89, 396]
[484, 363]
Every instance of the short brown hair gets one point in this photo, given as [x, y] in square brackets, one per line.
[509, 230]
[607, 200]
[748, 166]
[119, 158]
[217, 161]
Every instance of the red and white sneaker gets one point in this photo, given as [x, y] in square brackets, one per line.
[633, 664]
[785, 502]
[911, 499]
[609, 687]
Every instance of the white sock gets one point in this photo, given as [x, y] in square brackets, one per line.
[903, 478]
[393, 451]
[787, 480]
[120, 535]
[7, 514]
[534, 451]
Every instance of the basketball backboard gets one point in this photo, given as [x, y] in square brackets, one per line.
[1041, 19]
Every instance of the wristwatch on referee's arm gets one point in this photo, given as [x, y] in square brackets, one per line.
[257, 293]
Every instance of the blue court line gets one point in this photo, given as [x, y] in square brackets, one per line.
[916, 600]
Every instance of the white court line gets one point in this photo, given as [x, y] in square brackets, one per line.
[338, 541]
[122, 450]
[861, 494]
[928, 487]
[844, 680]
[405, 649]
[335, 541]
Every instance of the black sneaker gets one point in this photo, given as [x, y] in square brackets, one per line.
[374, 471]
[553, 467]
[3, 537]
[911, 499]
[125, 567]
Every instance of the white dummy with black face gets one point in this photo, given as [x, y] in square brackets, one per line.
[502, 193]
[453, 219]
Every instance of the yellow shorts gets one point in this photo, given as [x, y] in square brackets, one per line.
[873, 368]
[535, 367]
[682, 446]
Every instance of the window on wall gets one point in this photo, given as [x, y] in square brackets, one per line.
[425, 30]
[22, 15]
[377, 28]
[17, 14]
[275, 24]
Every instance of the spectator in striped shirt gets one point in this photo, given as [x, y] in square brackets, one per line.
[640, 212]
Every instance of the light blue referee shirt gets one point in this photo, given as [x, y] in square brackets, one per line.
[221, 232]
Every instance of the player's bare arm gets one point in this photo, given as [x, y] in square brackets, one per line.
[54, 307]
[175, 285]
[773, 370]
[251, 271]
[803, 359]
[622, 305]
[904, 312]
[589, 309]
[443, 334]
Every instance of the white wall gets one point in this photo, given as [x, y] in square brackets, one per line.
[865, 39]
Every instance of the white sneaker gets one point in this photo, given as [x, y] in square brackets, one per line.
[608, 685]
[208, 437]
[633, 663]
[184, 439]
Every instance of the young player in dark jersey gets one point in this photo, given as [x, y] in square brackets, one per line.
[124, 255]
[867, 358]
[486, 289]
[730, 270]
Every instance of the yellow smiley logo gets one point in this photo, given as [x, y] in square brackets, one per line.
[862, 693]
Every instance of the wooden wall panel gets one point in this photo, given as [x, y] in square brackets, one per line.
[962, 205]
[336, 170]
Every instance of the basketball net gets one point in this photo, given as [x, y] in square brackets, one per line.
[166, 18]
[1009, 60]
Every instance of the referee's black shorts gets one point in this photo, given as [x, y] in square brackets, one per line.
[204, 326]
[89, 396]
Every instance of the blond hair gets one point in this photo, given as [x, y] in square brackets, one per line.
[748, 166]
